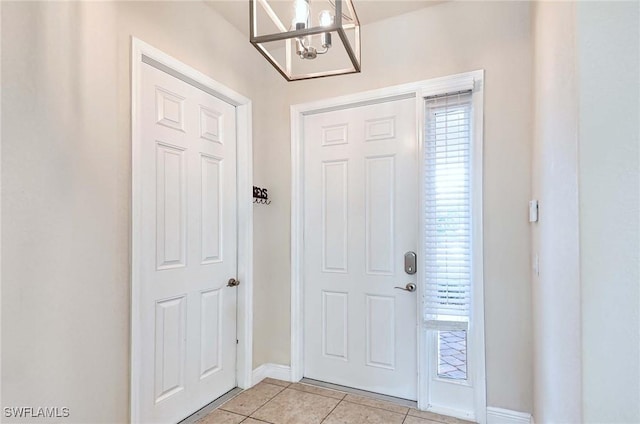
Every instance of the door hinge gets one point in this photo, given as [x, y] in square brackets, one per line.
[236, 341]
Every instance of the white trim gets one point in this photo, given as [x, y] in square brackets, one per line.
[244, 358]
[277, 371]
[507, 416]
[0, 207]
[477, 378]
[244, 354]
[427, 87]
[297, 245]
[478, 361]
[417, 90]
[422, 338]
[450, 412]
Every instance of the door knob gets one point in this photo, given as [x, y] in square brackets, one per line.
[410, 287]
[233, 282]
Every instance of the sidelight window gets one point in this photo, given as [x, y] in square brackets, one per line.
[447, 223]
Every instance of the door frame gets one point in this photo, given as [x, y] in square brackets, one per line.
[417, 90]
[142, 52]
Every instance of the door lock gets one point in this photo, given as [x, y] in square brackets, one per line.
[233, 282]
[410, 263]
[410, 287]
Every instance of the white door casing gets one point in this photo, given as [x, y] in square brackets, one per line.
[187, 242]
[426, 367]
[360, 215]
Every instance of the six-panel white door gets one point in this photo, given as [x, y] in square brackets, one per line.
[188, 243]
[361, 203]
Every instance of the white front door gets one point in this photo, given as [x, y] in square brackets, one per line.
[188, 247]
[361, 215]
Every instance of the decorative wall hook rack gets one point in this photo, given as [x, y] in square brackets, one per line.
[260, 196]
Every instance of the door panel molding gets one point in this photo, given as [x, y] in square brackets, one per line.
[418, 91]
[144, 53]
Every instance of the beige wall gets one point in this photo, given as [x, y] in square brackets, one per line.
[440, 40]
[556, 290]
[609, 103]
[586, 173]
[66, 187]
[66, 179]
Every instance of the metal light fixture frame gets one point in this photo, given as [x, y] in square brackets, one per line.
[338, 26]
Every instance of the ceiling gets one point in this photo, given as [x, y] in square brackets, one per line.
[237, 11]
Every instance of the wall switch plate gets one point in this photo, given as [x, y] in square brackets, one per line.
[533, 211]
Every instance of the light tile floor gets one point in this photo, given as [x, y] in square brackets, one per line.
[278, 402]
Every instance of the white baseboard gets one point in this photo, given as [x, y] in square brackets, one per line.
[506, 416]
[277, 371]
[450, 412]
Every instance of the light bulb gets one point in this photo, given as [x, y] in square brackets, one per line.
[326, 19]
[300, 13]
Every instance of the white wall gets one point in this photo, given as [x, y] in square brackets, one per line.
[66, 172]
[608, 46]
[440, 40]
[586, 174]
[66, 179]
[66, 189]
[555, 238]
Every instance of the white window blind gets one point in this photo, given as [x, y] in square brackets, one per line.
[447, 211]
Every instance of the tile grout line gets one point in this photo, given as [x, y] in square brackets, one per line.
[297, 389]
[252, 412]
[264, 404]
[334, 408]
[319, 394]
[361, 393]
[329, 397]
[256, 419]
[376, 407]
[348, 401]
